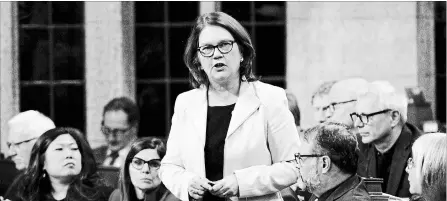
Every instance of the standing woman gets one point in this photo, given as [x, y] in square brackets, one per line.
[62, 167]
[228, 131]
[427, 169]
[139, 176]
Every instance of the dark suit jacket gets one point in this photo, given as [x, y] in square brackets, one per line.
[100, 154]
[398, 179]
[352, 189]
[289, 195]
[7, 175]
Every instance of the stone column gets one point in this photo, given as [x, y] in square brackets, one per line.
[110, 65]
[9, 72]
[426, 51]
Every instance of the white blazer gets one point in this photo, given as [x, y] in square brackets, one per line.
[261, 132]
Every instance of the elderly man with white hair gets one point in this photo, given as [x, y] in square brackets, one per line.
[385, 138]
[24, 129]
[343, 96]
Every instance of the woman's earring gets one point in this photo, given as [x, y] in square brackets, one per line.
[242, 59]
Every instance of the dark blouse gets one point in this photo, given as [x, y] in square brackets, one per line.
[218, 121]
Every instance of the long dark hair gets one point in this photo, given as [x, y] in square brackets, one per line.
[197, 76]
[125, 184]
[34, 186]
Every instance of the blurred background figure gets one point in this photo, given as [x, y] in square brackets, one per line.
[385, 136]
[139, 175]
[120, 122]
[343, 97]
[320, 101]
[427, 167]
[24, 129]
[294, 109]
[62, 167]
[328, 162]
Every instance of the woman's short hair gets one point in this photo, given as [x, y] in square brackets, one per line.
[34, 186]
[196, 75]
[125, 183]
[432, 162]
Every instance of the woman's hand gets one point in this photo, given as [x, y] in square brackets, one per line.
[226, 187]
[3, 199]
[197, 187]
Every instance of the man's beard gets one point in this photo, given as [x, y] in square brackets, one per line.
[312, 183]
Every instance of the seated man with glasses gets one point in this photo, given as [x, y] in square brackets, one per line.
[121, 117]
[320, 101]
[24, 129]
[342, 97]
[385, 138]
[328, 162]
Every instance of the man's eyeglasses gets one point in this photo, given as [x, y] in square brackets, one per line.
[299, 158]
[410, 163]
[332, 105]
[138, 163]
[364, 118]
[224, 47]
[109, 131]
[17, 144]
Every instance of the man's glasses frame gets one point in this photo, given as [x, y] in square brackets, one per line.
[17, 144]
[365, 118]
[331, 107]
[153, 164]
[108, 131]
[224, 47]
[299, 157]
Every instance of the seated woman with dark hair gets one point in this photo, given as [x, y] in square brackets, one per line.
[139, 176]
[62, 167]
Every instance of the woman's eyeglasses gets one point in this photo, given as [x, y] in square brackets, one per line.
[224, 47]
[138, 163]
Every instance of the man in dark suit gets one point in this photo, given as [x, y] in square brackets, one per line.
[385, 138]
[121, 117]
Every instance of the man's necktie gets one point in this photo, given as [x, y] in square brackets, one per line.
[113, 156]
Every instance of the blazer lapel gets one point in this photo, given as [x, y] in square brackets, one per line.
[198, 112]
[247, 103]
[401, 153]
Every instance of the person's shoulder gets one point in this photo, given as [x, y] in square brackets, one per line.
[170, 197]
[269, 94]
[115, 195]
[413, 130]
[359, 192]
[188, 95]
[104, 192]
